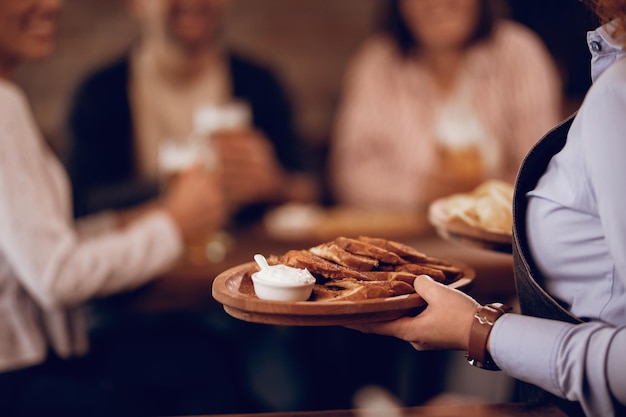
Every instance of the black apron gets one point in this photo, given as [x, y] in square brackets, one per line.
[534, 300]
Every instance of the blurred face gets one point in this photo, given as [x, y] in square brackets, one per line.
[441, 24]
[27, 30]
[190, 23]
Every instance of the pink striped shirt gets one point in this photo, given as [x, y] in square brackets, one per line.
[385, 151]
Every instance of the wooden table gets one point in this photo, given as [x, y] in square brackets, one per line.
[188, 287]
[473, 410]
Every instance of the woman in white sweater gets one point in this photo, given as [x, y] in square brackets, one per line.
[50, 266]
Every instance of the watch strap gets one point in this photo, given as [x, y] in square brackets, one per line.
[482, 325]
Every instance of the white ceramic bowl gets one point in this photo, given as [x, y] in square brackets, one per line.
[280, 291]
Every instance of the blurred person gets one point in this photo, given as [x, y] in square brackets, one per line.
[569, 242]
[180, 63]
[445, 98]
[50, 266]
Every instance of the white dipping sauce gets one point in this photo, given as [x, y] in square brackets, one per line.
[283, 274]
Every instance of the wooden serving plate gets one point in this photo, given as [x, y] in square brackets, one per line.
[456, 230]
[233, 288]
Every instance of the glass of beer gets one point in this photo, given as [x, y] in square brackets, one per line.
[177, 155]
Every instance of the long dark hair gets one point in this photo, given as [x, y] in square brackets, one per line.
[397, 27]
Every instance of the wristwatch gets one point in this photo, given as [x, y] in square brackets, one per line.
[484, 319]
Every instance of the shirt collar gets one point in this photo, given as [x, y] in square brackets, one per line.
[604, 48]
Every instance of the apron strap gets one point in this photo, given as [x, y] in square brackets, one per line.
[534, 300]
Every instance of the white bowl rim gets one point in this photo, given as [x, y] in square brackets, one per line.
[262, 281]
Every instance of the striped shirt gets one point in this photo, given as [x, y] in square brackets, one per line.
[386, 148]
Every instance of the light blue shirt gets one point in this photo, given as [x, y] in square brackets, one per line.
[577, 236]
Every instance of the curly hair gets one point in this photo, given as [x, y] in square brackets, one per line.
[609, 11]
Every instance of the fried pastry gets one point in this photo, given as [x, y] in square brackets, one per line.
[404, 251]
[316, 265]
[333, 252]
[421, 269]
[404, 276]
[451, 272]
[364, 268]
[352, 290]
[361, 247]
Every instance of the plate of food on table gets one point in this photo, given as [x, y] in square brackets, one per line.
[482, 217]
[342, 281]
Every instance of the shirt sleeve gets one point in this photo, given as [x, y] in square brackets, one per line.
[577, 362]
[38, 238]
[93, 225]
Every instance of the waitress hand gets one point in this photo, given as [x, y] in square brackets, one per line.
[194, 199]
[444, 324]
